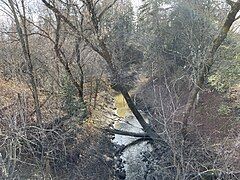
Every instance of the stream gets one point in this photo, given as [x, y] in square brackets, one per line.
[131, 156]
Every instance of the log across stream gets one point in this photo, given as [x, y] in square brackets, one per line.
[131, 156]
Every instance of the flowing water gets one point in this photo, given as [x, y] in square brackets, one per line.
[121, 105]
[134, 167]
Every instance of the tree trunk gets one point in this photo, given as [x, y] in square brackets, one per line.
[101, 48]
[23, 36]
[209, 61]
[63, 61]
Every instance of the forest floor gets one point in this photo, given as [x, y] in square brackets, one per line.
[218, 120]
[217, 117]
[218, 114]
[85, 146]
[215, 121]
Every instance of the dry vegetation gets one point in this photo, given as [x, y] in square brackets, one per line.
[56, 150]
[62, 63]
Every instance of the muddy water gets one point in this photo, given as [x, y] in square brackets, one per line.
[134, 167]
[121, 105]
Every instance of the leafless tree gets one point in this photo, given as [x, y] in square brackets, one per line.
[96, 39]
[21, 26]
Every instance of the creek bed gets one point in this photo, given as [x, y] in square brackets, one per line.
[133, 165]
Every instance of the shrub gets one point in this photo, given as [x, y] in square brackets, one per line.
[224, 110]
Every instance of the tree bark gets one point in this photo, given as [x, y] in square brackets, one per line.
[60, 56]
[23, 36]
[125, 133]
[209, 61]
[101, 48]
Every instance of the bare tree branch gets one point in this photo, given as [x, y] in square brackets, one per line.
[125, 133]
[209, 61]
